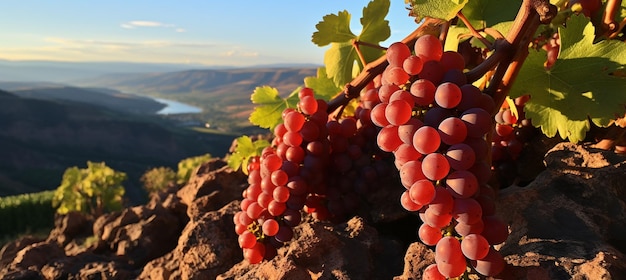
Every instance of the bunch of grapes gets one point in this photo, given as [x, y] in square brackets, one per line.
[315, 163]
[435, 123]
[511, 134]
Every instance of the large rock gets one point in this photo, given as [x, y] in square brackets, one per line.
[139, 234]
[320, 250]
[571, 221]
[212, 186]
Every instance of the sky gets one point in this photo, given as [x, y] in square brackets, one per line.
[207, 32]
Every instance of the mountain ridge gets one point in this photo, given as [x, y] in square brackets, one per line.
[41, 138]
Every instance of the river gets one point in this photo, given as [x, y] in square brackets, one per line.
[175, 107]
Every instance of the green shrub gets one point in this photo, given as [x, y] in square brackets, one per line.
[158, 178]
[93, 190]
[188, 165]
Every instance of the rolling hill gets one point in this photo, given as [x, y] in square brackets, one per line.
[223, 94]
[107, 98]
[39, 139]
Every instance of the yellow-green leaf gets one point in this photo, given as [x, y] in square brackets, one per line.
[270, 106]
[580, 86]
[323, 86]
[333, 28]
[441, 9]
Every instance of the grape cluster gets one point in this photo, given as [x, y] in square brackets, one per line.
[511, 134]
[316, 164]
[435, 123]
[552, 48]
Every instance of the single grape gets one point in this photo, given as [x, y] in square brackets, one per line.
[452, 130]
[424, 92]
[426, 140]
[422, 192]
[270, 227]
[429, 235]
[428, 47]
[435, 166]
[448, 95]
[388, 139]
[397, 53]
[398, 112]
[247, 240]
[475, 246]
[413, 65]
[462, 183]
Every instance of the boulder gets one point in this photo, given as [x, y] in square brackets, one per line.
[139, 234]
[215, 184]
[570, 219]
[321, 250]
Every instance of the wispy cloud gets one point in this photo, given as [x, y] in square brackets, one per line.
[80, 49]
[144, 23]
[237, 53]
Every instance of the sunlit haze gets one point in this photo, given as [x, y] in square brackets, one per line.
[234, 33]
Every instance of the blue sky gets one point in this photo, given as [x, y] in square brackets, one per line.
[238, 33]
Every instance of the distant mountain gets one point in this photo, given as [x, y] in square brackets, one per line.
[107, 98]
[224, 95]
[54, 71]
[212, 82]
[39, 139]
[68, 72]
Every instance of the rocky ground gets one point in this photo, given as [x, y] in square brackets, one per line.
[569, 223]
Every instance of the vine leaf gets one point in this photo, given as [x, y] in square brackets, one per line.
[333, 28]
[268, 113]
[244, 151]
[375, 28]
[580, 86]
[441, 9]
[487, 13]
[340, 59]
[323, 86]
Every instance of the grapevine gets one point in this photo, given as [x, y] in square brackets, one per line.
[442, 106]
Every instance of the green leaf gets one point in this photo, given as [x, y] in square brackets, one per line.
[270, 106]
[244, 151]
[487, 13]
[578, 87]
[323, 86]
[339, 61]
[441, 9]
[333, 28]
[341, 57]
[375, 28]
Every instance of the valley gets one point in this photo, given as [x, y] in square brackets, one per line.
[46, 127]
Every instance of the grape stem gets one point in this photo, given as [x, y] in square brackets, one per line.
[530, 16]
[475, 33]
[609, 26]
[508, 56]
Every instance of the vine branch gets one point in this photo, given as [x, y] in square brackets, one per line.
[376, 67]
[475, 33]
[509, 54]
